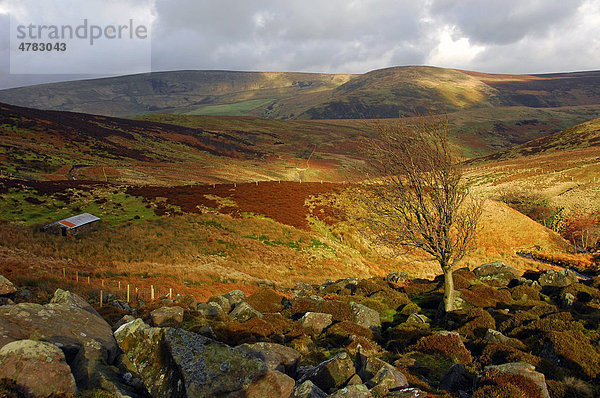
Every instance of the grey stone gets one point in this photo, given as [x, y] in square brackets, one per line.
[307, 389]
[6, 286]
[365, 316]
[167, 316]
[526, 370]
[561, 278]
[244, 312]
[316, 321]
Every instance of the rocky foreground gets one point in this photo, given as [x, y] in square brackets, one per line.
[531, 336]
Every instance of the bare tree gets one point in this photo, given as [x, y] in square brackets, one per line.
[415, 198]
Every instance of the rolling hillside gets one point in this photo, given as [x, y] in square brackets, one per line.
[384, 93]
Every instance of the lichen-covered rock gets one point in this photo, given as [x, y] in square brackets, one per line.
[76, 331]
[186, 301]
[175, 363]
[6, 286]
[234, 297]
[525, 370]
[38, 366]
[496, 273]
[456, 379]
[275, 356]
[561, 278]
[67, 298]
[221, 301]
[353, 391]
[448, 344]
[388, 377]
[365, 316]
[316, 321]
[266, 300]
[272, 384]
[307, 390]
[339, 310]
[244, 312]
[167, 316]
[212, 310]
[331, 374]
[210, 368]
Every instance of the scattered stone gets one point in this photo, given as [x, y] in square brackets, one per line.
[365, 316]
[272, 384]
[303, 287]
[6, 301]
[244, 312]
[234, 297]
[316, 321]
[396, 277]
[353, 391]
[6, 287]
[409, 393]
[456, 379]
[266, 300]
[418, 319]
[561, 278]
[220, 301]
[39, 367]
[388, 377]
[354, 380]
[331, 374]
[275, 356]
[496, 272]
[525, 370]
[308, 390]
[83, 337]
[213, 310]
[67, 298]
[495, 336]
[567, 300]
[172, 361]
[186, 301]
[167, 317]
[126, 319]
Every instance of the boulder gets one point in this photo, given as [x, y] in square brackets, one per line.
[456, 379]
[39, 367]
[307, 390]
[213, 310]
[272, 384]
[388, 377]
[275, 356]
[167, 316]
[125, 319]
[67, 298]
[266, 300]
[365, 316]
[496, 272]
[493, 336]
[353, 391]
[418, 319]
[220, 301]
[561, 278]
[331, 374]
[234, 297]
[6, 287]
[80, 334]
[244, 312]
[316, 321]
[186, 301]
[174, 362]
[525, 370]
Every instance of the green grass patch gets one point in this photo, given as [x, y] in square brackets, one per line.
[235, 109]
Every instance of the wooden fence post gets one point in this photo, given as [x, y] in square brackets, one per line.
[100, 298]
[128, 292]
[151, 292]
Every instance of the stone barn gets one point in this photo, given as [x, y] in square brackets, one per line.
[73, 226]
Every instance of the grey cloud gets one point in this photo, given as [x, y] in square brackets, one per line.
[504, 21]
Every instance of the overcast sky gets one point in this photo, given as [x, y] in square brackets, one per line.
[342, 36]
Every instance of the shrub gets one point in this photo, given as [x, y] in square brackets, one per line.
[583, 231]
[449, 345]
[501, 383]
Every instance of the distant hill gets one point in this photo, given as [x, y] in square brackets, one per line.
[206, 92]
[384, 93]
[582, 136]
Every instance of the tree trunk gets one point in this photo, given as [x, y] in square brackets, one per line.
[448, 289]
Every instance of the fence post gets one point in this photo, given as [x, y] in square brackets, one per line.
[76, 276]
[151, 292]
[100, 298]
[170, 294]
[128, 292]
[64, 273]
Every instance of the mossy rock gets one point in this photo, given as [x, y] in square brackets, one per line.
[469, 323]
[446, 344]
[485, 296]
[340, 333]
[340, 310]
[410, 308]
[266, 300]
[497, 384]
[463, 278]
[524, 293]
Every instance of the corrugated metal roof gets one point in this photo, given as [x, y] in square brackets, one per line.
[79, 220]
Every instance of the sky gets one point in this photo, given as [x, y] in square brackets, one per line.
[330, 36]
